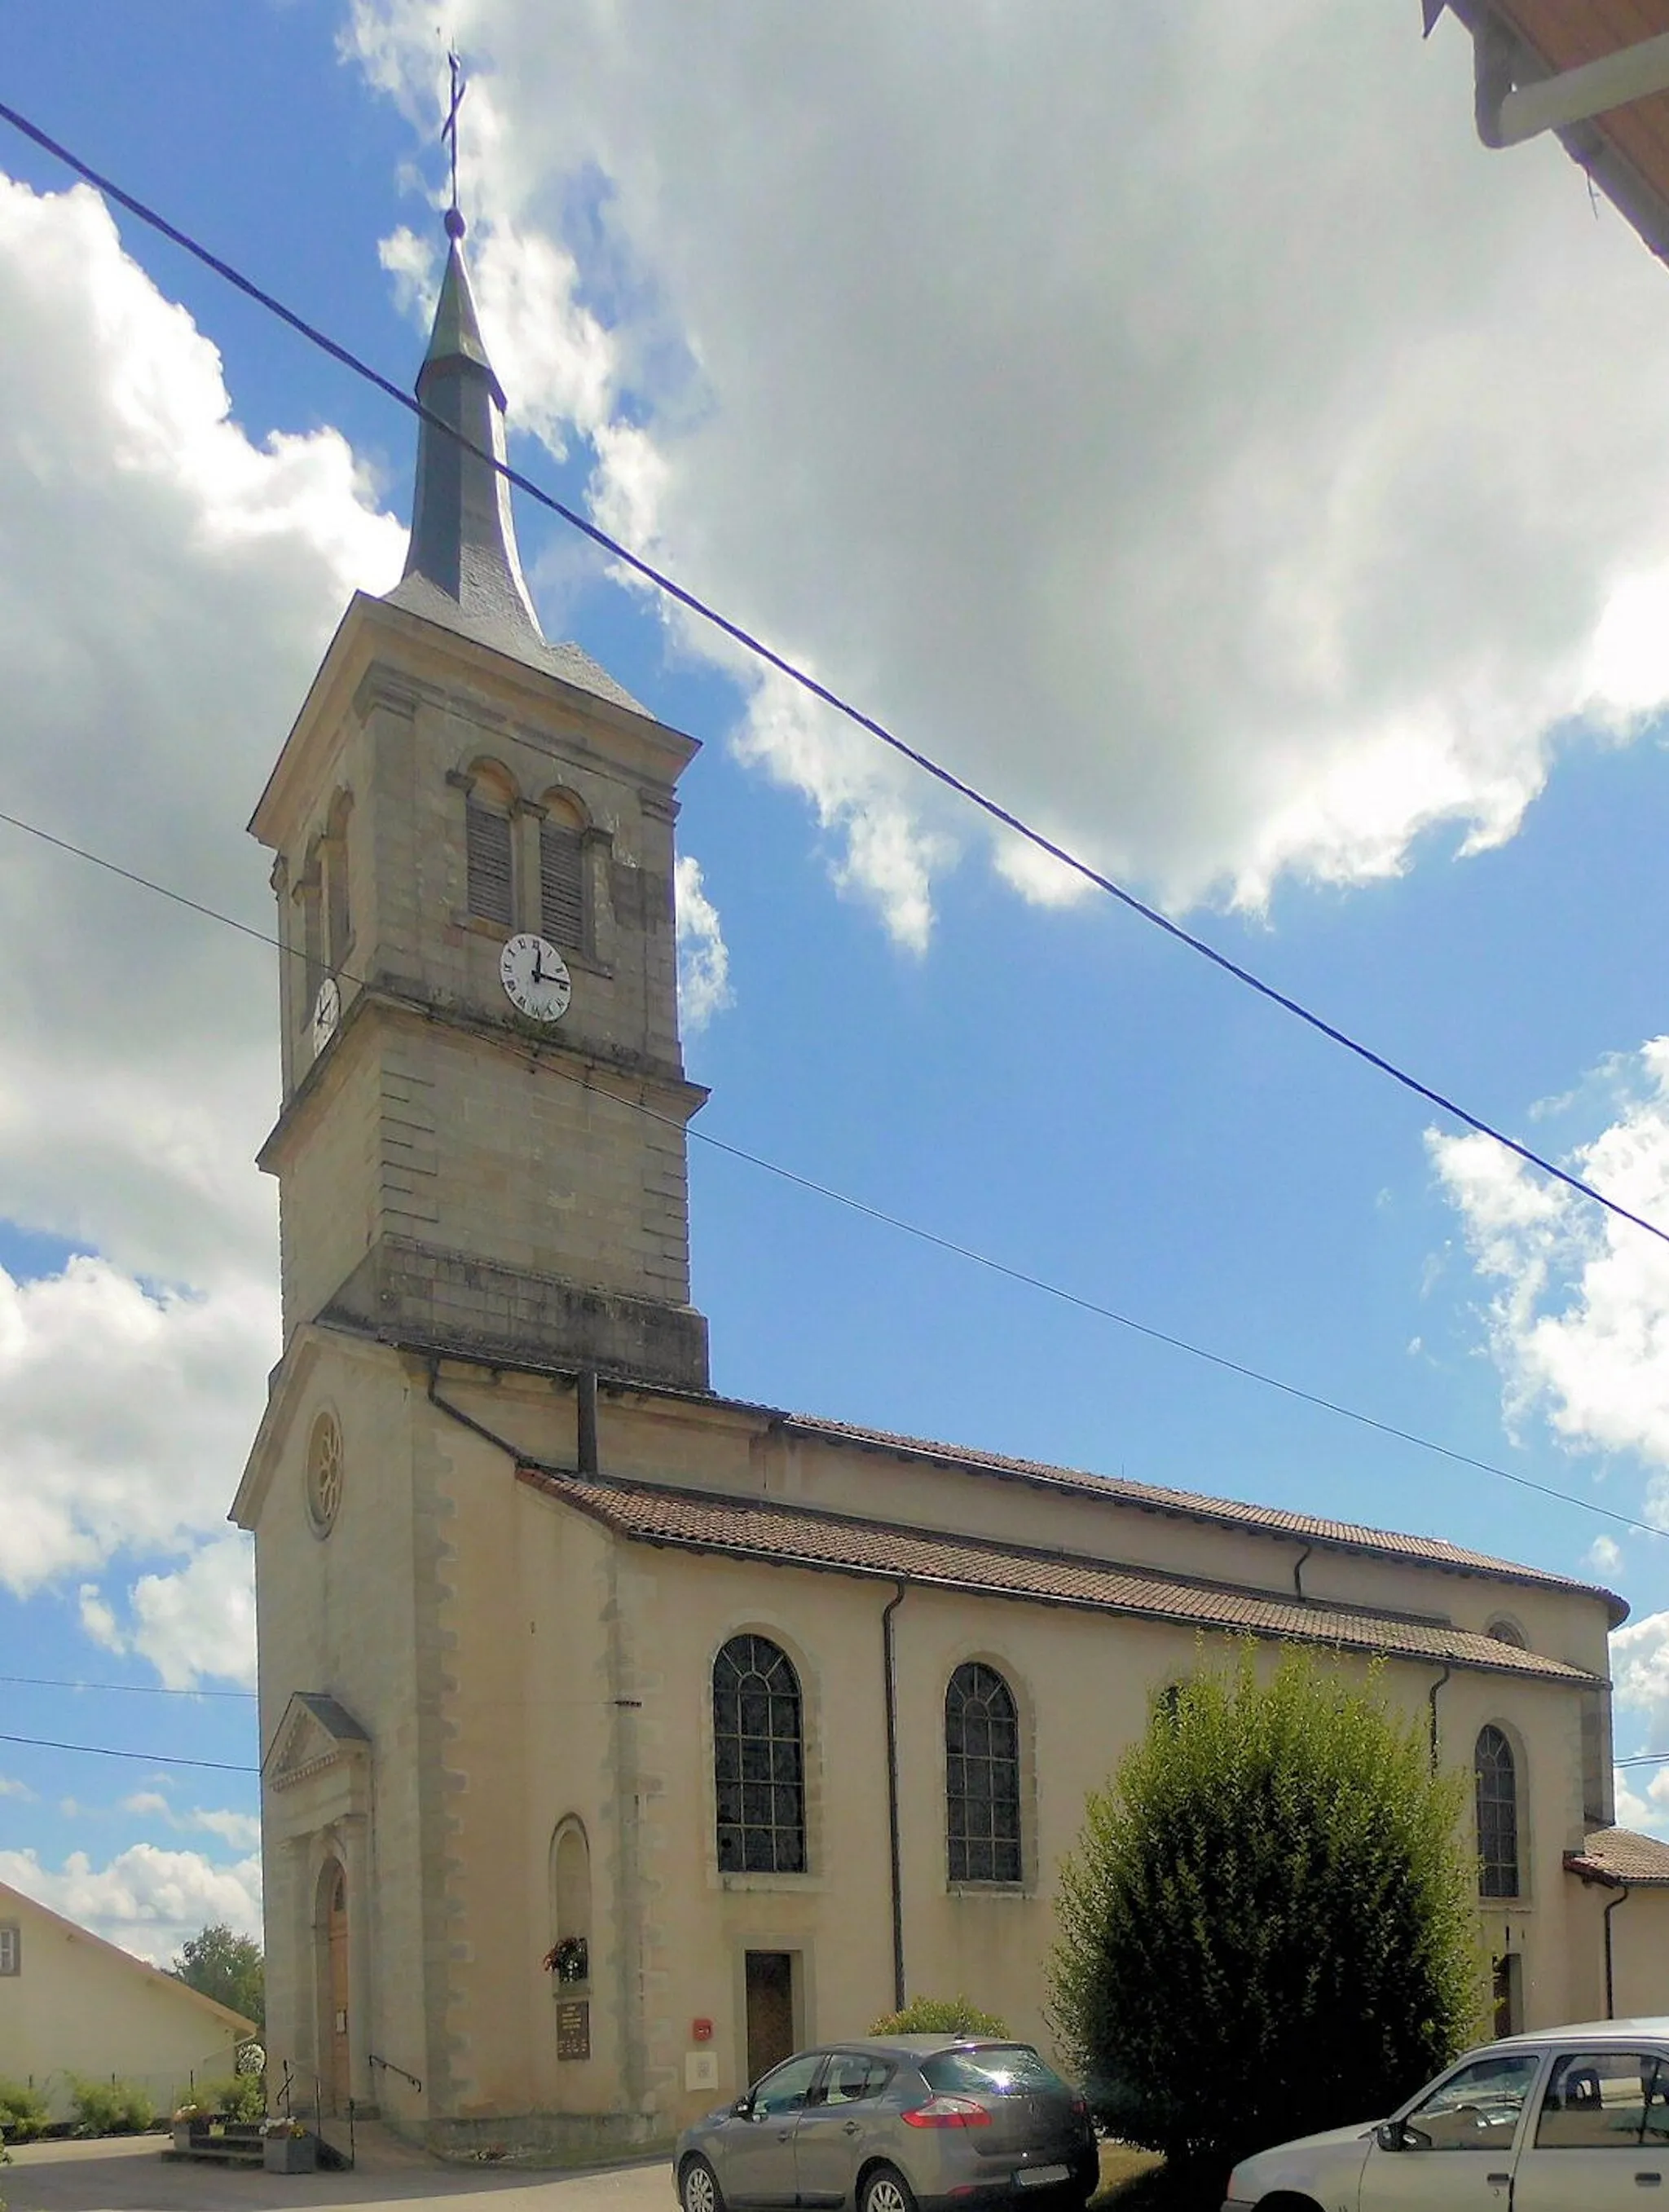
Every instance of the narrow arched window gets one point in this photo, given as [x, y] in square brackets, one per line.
[1497, 1782]
[982, 1776]
[758, 1759]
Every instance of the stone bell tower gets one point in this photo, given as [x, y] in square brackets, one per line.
[453, 1172]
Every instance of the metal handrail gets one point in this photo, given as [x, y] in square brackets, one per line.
[285, 2098]
[389, 2067]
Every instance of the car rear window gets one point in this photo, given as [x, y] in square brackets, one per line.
[991, 2070]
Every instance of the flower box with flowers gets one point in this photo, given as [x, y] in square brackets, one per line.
[288, 2147]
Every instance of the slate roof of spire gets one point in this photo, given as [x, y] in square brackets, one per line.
[463, 570]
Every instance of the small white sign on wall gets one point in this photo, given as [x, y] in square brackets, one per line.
[700, 2070]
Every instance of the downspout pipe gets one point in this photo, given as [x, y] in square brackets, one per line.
[1622, 1897]
[890, 1668]
[1432, 1694]
[585, 1422]
[1298, 1572]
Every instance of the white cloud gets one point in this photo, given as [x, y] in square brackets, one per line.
[126, 1414]
[11, 1787]
[1579, 1323]
[1640, 1673]
[1604, 1556]
[241, 1831]
[147, 1899]
[200, 1621]
[1035, 377]
[704, 985]
[167, 587]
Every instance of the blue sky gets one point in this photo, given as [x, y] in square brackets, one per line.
[1045, 390]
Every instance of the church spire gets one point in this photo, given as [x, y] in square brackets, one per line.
[462, 536]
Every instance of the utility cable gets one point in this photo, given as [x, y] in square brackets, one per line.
[930, 1236]
[809, 684]
[146, 1757]
[128, 1689]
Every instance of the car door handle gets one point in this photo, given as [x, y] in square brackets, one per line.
[851, 2128]
[1499, 2180]
[1647, 2180]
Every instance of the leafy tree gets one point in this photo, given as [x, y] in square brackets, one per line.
[228, 1968]
[940, 2017]
[1266, 1927]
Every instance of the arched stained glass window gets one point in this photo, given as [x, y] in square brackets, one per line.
[982, 1776]
[1497, 1815]
[758, 1759]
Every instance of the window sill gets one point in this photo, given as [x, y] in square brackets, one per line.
[1020, 1889]
[804, 1884]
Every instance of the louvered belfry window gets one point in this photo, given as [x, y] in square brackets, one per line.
[982, 1776]
[488, 844]
[758, 1759]
[562, 884]
[1497, 1782]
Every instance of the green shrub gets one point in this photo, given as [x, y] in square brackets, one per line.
[1266, 1925]
[110, 2108]
[239, 2097]
[940, 2017]
[22, 2112]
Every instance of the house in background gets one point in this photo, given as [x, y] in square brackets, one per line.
[72, 2004]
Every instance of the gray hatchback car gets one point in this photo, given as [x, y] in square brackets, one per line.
[893, 2123]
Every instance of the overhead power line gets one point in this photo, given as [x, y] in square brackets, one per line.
[128, 1689]
[145, 1758]
[924, 1236]
[806, 682]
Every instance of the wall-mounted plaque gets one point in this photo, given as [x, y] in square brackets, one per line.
[573, 2028]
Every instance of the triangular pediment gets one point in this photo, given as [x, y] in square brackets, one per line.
[317, 1731]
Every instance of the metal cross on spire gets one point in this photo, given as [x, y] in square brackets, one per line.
[449, 138]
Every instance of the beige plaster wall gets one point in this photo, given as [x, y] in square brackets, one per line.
[1640, 1951]
[582, 1687]
[344, 1616]
[79, 2006]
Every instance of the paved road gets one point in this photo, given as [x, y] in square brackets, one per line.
[130, 2175]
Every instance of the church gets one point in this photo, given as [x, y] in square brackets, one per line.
[619, 1737]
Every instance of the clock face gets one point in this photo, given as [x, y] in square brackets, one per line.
[536, 978]
[327, 1011]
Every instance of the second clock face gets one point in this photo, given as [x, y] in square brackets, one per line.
[536, 979]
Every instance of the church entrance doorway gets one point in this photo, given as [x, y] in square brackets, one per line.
[337, 2081]
[770, 1997]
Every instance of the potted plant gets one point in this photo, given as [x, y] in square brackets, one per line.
[569, 1960]
[286, 2148]
[187, 2116]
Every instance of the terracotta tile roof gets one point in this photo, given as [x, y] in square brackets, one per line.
[797, 1536]
[1270, 1521]
[1229, 1512]
[1611, 1856]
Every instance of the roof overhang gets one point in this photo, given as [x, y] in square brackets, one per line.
[1593, 72]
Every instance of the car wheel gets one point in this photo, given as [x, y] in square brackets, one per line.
[886, 2191]
[698, 2187]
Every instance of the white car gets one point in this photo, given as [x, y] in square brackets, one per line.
[1571, 2119]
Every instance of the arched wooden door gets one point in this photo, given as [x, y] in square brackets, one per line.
[338, 2081]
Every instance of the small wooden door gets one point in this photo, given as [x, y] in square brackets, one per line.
[770, 1991]
[339, 2081]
